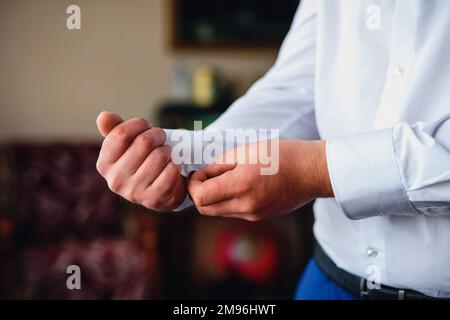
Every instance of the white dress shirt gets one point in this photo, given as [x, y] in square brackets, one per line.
[372, 78]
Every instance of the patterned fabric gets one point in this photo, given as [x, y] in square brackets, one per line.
[60, 195]
[110, 269]
[62, 214]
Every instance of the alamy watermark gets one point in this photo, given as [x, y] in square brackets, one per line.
[73, 281]
[227, 146]
[373, 277]
[73, 21]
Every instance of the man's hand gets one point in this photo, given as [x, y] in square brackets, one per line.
[239, 190]
[137, 165]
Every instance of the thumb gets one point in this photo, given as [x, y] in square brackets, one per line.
[207, 185]
[195, 180]
[106, 121]
[209, 172]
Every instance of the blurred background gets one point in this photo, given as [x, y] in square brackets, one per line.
[172, 61]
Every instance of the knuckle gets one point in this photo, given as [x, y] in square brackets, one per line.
[160, 134]
[141, 121]
[174, 169]
[145, 141]
[101, 167]
[160, 155]
[119, 134]
[115, 184]
[132, 195]
[172, 174]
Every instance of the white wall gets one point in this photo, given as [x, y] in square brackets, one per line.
[53, 82]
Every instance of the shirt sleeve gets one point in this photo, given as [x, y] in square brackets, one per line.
[283, 99]
[404, 170]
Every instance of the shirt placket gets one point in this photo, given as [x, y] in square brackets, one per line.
[402, 53]
[373, 248]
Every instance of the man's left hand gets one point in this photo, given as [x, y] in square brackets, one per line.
[237, 189]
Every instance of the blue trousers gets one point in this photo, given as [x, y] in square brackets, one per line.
[315, 285]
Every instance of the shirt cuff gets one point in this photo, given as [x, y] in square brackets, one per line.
[186, 204]
[186, 169]
[365, 177]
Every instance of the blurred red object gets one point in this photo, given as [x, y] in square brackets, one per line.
[110, 269]
[252, 254]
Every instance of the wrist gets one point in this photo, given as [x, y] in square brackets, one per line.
[321, 186]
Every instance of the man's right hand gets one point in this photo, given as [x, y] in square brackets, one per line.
[137, 165]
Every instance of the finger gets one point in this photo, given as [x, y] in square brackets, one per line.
[234, 208]
[120, 138]
[217, 169]
[152, 166]
[142, 146]
[176, 197]
[163, 186]
[206, 191]
[208, 172]
[196, 180]
[165, 182]
[106, 121]
[227, 208]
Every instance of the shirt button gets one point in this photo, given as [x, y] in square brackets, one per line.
[399, 71]
[372, 252]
